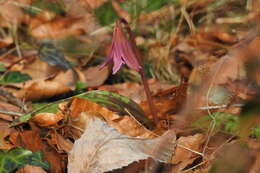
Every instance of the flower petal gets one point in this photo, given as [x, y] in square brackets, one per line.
[130, 57]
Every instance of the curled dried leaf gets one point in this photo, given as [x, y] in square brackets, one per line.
[47, 119]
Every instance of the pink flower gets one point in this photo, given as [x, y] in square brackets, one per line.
[121, 51]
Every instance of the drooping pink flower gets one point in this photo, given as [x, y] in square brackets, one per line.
[121, 51]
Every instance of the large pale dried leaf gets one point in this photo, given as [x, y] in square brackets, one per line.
[105, 149]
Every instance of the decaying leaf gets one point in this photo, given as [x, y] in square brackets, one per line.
[120, 104]
[58, 28]
[105, 149]
[31, 169]
[184, 157]
[31, 139]
[81, 108]
[47, 119]
[39, 89]
[96, 77]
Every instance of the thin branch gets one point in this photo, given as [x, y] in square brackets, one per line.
[16, 114]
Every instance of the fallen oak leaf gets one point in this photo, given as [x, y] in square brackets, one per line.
[105, 149]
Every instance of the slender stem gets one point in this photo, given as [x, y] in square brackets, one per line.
[144, 79]
[149, 97]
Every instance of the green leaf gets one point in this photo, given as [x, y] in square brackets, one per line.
[53, 108]
[81, 85]
[153, 5]
[119, 103]
[224, 122]
[38, 108]
[105, 14]
[15, 77]
[16, 158]
[53, 56]
[39, 5]
[37, 160]
[2, 67]
[256, 131]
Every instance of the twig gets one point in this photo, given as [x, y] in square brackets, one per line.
[193, 151]
[7, 53]
[9, 96]
[188, 19]
[213, 122]
[219, 106]
[17, 114]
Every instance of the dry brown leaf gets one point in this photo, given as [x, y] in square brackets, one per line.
[96, 77]
[40, 89]
[4, 42]
[11, 13]
[233, 66]
[134, 90]
[31, 140]
[105, 149]
[4, 132]
[31, 169]
[168, 101]
[81, 108]
[36, 68]
[233, 158]
[59, 142]
[7, 107]
[64, 144]
[47, 119]
[184, 157]
[58, 28]
[96, 3]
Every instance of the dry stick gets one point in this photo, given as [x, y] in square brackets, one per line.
[213, 122]
[14, 114]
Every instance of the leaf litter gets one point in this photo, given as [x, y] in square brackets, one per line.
[202, 60]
